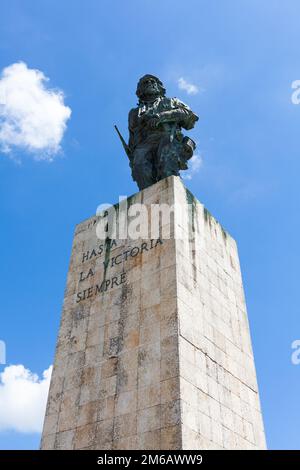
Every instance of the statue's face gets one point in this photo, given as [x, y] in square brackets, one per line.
[149, 88]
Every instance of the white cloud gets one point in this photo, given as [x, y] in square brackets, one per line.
[23, 398]
[32, 116]
[195, 163]
[190, 88]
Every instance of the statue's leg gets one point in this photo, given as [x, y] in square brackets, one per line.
[142, 168]
[168, 158]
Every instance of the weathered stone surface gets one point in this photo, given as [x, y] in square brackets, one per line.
[162, 358]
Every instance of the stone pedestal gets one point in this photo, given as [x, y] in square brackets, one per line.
[154, 350]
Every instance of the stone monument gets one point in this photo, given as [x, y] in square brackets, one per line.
[154, 349]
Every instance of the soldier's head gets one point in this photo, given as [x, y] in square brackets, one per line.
[149, 87]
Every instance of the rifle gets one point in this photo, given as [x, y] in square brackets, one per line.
[125, 146]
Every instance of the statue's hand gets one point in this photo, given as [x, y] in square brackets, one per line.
[154, 122]
[151, 120]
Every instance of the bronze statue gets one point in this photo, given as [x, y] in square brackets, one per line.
[157, 147]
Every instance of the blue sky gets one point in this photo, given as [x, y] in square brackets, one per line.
[243, 57]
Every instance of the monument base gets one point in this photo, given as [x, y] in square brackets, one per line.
[154, 350]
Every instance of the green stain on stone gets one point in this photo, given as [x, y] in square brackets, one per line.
[191, 203]
[131, 200]
[116, 215]
[208, 218]
[224, 233]
[107, 255]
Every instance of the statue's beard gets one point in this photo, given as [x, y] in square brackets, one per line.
[150, 94]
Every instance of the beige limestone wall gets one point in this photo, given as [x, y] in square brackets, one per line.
[160, 357]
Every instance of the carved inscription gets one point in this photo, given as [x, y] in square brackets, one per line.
[109, 282]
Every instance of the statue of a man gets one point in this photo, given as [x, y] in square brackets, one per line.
[157, 147]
